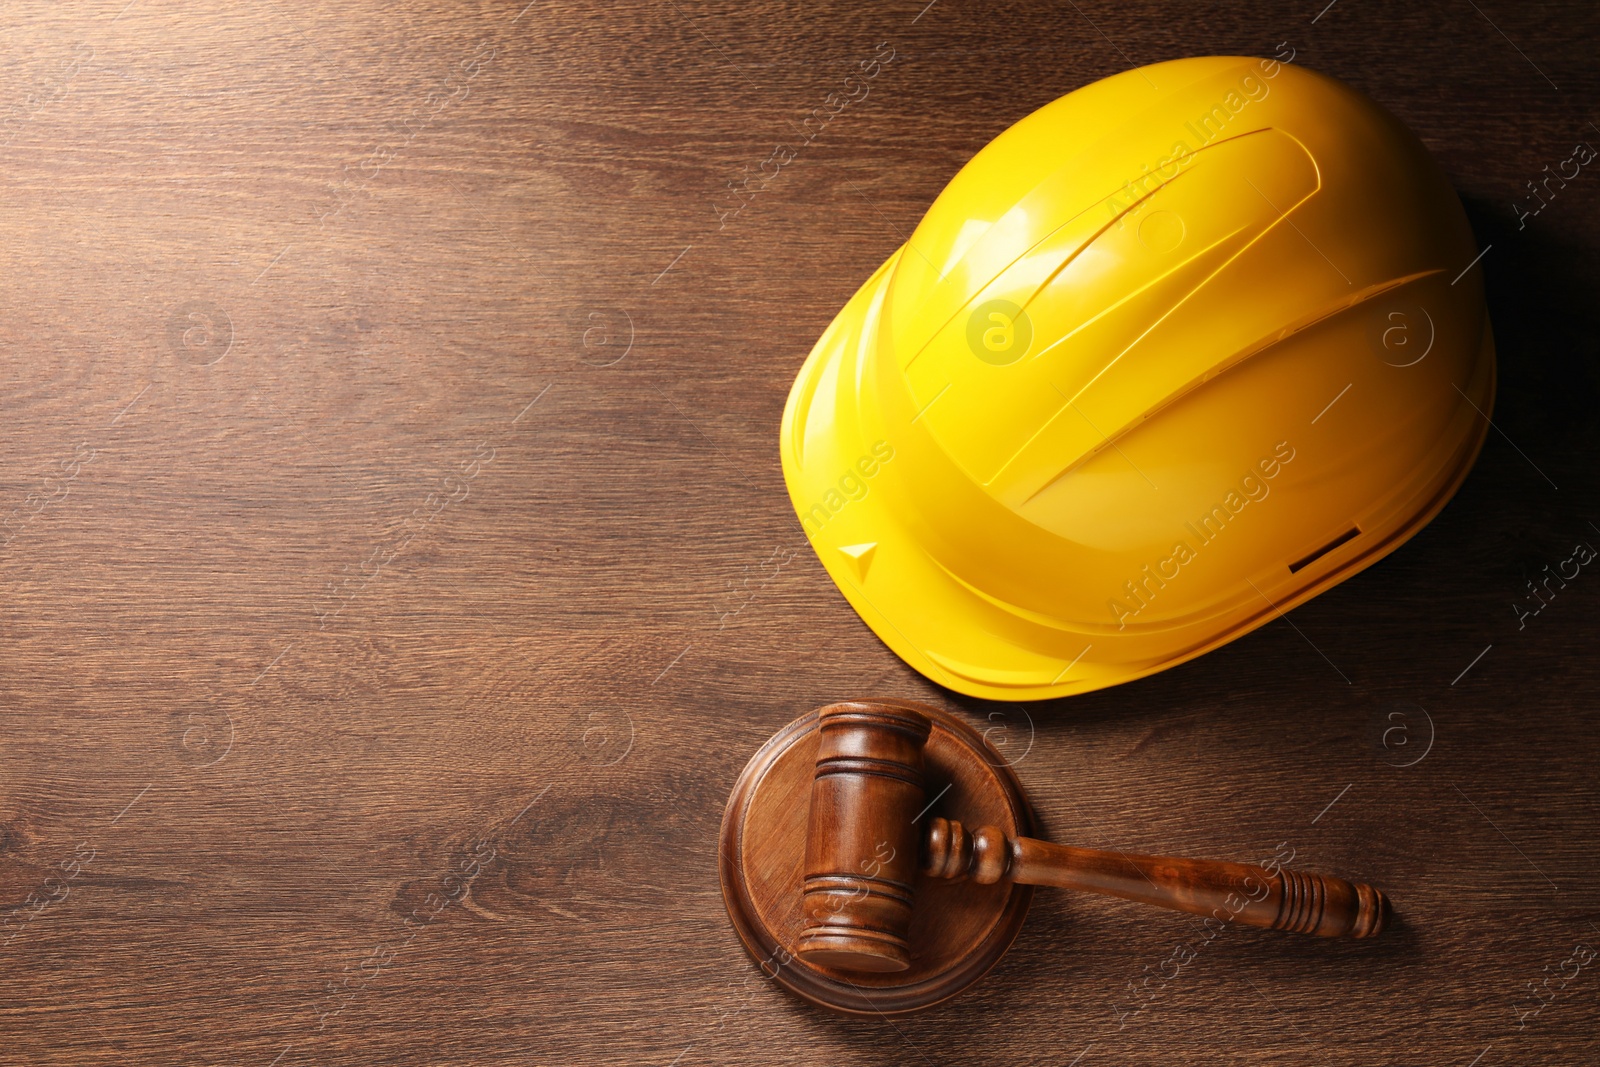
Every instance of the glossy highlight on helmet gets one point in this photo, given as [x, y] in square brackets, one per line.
[1167, 358]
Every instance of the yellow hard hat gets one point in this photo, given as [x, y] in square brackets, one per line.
[1168, 357]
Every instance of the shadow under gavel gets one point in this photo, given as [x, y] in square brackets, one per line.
[864, 849]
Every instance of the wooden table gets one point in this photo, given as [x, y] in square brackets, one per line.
[397, 568]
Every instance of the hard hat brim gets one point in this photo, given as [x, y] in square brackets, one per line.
[944, 629]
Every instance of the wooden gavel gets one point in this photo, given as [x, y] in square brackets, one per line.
[862, 857]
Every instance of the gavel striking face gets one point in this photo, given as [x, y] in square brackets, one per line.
[866, 843]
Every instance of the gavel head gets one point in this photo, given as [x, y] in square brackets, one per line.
[861, 840]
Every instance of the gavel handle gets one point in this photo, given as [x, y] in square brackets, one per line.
[1230, 892]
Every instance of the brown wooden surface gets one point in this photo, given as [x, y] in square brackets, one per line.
[354, 711]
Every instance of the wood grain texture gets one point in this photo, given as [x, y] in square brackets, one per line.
[397, 570]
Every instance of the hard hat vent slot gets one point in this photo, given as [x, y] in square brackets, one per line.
[1306, 561]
